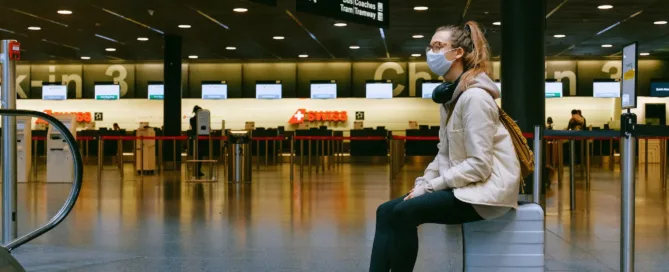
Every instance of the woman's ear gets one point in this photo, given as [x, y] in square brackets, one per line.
[459, 53]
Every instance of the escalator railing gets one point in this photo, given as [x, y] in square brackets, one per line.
[76, 185]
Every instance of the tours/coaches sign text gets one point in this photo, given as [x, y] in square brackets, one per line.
[368, 12]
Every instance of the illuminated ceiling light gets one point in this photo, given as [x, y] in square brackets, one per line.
[240, 10]
[418, 36]
[278, 37]
[415, 55]
[605, 7]
[303, 56]
[143, 39]
[85, 58]
[497, 23]
[192, 57]
[607, 45]
[354, 47]
[340, 24]
[644, 54]
[110, 49]
[34, 28]
[184, 26]
[559, 36]
[420, 8]
[231, 48]
[64, 12]
[660, 22]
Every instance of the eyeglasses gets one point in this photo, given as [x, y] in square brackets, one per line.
[436, 47]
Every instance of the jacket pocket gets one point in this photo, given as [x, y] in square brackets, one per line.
[456, 145]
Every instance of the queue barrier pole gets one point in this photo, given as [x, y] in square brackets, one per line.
[628, 154]
[572, 181]
[301, 159]
[292, 158]
[119, 154]
[538, 165]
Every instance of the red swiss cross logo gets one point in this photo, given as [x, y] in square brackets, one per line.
[298, 117]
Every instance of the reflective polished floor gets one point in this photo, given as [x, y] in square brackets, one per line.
[324, 222]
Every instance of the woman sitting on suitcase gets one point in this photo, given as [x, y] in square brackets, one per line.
[476, 173]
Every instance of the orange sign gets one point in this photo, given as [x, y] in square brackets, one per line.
[82, 117]
[302, 115]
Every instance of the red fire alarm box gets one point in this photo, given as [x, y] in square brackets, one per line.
[14, 50]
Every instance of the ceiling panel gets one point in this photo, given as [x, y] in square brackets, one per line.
[215, 26]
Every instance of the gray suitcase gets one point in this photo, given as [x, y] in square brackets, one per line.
[511, 243]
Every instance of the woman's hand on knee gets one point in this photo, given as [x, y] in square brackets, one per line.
[418, 191]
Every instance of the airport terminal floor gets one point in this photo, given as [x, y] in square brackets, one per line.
[324, 222]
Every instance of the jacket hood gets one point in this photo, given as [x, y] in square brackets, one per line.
[481, 81]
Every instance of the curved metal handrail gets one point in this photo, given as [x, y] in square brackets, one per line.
[76, 185]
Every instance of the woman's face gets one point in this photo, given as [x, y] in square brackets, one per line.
[441, 43]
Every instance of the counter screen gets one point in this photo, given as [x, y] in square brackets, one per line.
[606, 89]
[54, 92]
[268, 91]
[380, 90]
[323, 91]
[107, 92]
[214, 91]
[428, 88]
[659, 89]
[156, 92]
[553, 90]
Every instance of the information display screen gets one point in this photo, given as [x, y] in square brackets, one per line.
[54, 92]
[107, 92]
[428, 88]
[369, 12]
[268, 90]
[323, 90]
[214, 91]
[380, 90]
[606, 89]
[156, 91]
[659, 88]
[553, 90]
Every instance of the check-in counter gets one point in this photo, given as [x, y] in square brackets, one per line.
[369, 147]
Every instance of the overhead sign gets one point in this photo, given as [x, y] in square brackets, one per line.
[630, 53]
[302, 115]
[368, 12]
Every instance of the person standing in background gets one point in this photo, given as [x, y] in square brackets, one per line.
[576, 122]
[585, 123]
[116, 127]
[549, 123]
[193, 129]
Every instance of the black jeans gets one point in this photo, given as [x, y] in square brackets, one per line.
[396, 238]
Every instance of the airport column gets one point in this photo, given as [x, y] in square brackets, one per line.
[523, 63]
[172, 100]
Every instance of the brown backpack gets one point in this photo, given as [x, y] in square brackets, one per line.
[523, 152]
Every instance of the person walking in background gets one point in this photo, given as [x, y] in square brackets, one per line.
[576, 122]
[476, 173]
[549, 123]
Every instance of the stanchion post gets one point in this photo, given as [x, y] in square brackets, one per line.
[392, 161]
[292, 158]
[646, 154]
[301, 159]
[266, 153]
[160, 154]
[628, 150]
[538, 165]
[119, 151]
[257, 154]
[309, 155]
[587, 164]
[34, 143]
[100, 158]
[141, 156]
[560, 154]
[572, 173]
[322, 158]
[174, 154]
[9, 173]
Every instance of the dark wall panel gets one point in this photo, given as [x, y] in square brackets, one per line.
[339, 71]
[649, 70]
[395, 71]
[124, 74]
[23, 80]
[154, 72]
[230, 72]
[58, 73]
[565, 72]
[286, 72]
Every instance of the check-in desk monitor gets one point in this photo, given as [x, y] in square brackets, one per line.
[324, 89]
[23, 148]
[59, 160]
[379, 90]
[269, 90]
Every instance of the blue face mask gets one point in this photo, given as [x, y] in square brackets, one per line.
[438, 62]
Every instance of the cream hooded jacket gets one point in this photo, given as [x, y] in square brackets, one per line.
[476, 155]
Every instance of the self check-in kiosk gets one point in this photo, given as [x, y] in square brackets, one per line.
[59, 161]
[145, 149]
[24, 155]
